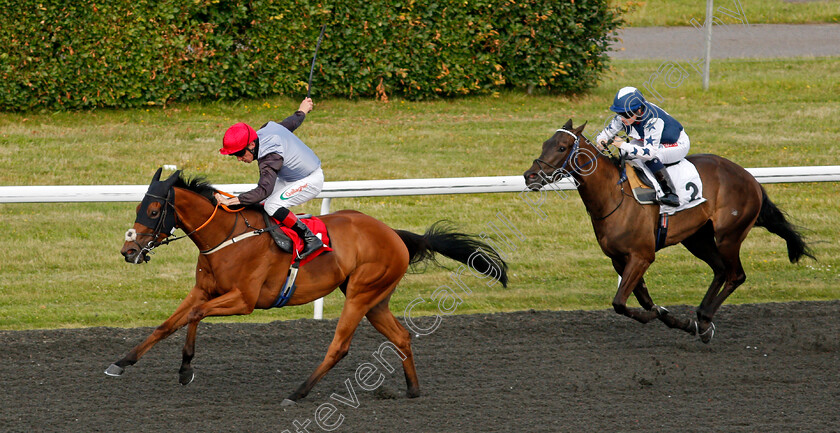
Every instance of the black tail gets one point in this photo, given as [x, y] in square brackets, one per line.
[465, 248]
[773, 219]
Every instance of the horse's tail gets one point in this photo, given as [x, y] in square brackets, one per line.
[465, 248]
[773, 219]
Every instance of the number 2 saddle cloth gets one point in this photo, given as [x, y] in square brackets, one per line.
[684, 175]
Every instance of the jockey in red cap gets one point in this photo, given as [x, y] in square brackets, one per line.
[290, 172]
[237, 137]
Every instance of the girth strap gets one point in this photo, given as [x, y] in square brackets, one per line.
[288, 287]
[661, 231]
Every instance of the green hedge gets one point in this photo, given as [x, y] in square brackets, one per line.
[68, 54]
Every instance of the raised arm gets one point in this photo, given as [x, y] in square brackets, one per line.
[292, 122]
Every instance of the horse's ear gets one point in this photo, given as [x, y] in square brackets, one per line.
[174, 176]
[580, 128]
[568, 124]
[156, 177]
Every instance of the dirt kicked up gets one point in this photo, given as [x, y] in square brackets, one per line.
[770, 367]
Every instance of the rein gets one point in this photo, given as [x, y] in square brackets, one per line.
[230, 239]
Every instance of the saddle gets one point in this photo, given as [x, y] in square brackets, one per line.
[642, 187]
[288, 241]
[686, 179]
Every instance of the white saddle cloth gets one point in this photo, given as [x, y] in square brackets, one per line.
[687, 185]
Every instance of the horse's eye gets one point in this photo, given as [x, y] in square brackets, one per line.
[561, 148]
[154, 213]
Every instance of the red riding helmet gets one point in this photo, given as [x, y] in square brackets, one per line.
[237, 138]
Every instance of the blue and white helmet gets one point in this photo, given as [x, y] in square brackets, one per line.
[627, 99]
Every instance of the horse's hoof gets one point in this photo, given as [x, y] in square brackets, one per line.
[707, 335]
[661, 311]
[412, 393]
[186, 377]
[114, 370]
[287, 402]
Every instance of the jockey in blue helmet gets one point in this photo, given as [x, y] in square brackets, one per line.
[656, 137]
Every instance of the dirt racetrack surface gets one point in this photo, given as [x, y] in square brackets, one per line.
[770, 368]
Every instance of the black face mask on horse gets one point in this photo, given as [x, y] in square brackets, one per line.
[156, 212]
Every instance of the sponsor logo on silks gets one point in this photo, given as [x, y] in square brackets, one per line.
[287, 194]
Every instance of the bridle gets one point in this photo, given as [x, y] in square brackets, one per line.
[564, 172]
[161, 226]
[562, 169]
[167, 206]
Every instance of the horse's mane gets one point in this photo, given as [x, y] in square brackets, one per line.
[197, 184]
[201, 186]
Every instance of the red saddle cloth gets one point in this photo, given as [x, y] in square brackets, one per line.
[317, 227]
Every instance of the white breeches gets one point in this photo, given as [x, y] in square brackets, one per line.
[288, 194]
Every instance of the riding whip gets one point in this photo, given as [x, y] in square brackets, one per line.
[312, 68]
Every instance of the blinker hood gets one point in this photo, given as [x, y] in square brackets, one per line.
[159, 192]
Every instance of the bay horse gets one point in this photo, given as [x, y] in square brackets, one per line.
[367, 262]
[713, 231]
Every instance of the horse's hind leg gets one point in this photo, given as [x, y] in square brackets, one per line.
[702, 245]
[352, 313]
[734, 276]
[384, 321]
[173, 323]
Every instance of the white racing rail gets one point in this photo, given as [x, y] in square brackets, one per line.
[373, 188]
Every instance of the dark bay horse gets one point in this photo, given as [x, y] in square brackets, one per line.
[367, 262]
[713, 231]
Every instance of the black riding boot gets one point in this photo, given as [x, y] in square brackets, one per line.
[311, 243]
[668, 196]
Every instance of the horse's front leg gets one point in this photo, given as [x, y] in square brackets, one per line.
[186, 373]
[178, 319]
[631, 273]
[230, 304]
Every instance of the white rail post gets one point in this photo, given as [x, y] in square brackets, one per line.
[707, 63]
[318, 314]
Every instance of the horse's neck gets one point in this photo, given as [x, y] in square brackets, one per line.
[596, 186]
[194, 211]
